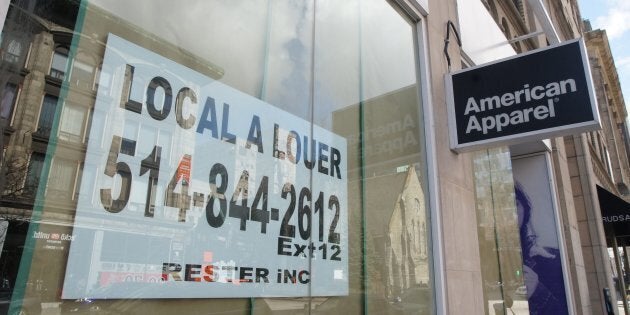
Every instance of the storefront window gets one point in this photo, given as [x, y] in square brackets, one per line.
[502, 270]
[241, 157]
[521, 260]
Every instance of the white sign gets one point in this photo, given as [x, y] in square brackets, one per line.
[210, 190]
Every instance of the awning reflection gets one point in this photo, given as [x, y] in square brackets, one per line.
[615, 212]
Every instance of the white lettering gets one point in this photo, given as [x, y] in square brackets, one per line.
[503, 120]
[570, 83]
[553, 89]
[538, 92]
[541, 112]
[507, 99]
[471, 106]
[473, 124]
[499, 122]
[488, 124]
[489, 103]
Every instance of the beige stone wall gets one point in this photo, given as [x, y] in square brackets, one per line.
[563, 166]
[462, 271]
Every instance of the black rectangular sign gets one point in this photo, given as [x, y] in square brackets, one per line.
[533, 96]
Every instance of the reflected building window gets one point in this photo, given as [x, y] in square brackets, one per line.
[407, 243]
[59, 63]
[34, 171]
[9, 96]
[102, 78]
[88, 125]
[128, 147]
[64, 173]
[13, 51]
[420, 231]
[72, 125]
[46, 115]
[83, 71]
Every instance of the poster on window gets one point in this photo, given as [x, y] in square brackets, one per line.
[193, 189]
[542, 264]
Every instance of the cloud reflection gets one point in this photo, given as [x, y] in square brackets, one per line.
[361, 48]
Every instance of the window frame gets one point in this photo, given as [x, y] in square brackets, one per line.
[57, 73]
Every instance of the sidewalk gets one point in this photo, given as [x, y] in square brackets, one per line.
[620, 306]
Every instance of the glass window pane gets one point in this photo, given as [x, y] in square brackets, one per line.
[498, 229]
[8, 100]
[33, 174]
[64, 172]
[83, 74]
[13, 51]
[59, 63]
[71, 124]
[372, 92]
[46, 115]
[263, 157]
